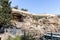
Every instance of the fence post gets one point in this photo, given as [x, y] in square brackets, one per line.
[51, 36]
[24, 35]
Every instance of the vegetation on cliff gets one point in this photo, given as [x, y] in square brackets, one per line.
[5, 12]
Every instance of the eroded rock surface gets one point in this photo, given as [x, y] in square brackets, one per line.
[37, 25]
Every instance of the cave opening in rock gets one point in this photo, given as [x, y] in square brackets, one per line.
[18, 17]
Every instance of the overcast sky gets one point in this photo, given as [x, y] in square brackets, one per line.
[39, 6]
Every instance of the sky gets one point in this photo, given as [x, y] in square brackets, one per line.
[38, 6]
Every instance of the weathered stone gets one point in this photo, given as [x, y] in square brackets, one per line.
[37, 27]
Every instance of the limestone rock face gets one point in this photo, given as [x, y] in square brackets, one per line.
[43, 24]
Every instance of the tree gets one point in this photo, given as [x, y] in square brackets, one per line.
[24, 9]
[16, 7]
[5, 12]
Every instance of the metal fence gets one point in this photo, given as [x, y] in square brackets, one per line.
[51, 36]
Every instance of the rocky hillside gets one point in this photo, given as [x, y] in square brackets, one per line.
[35, 24]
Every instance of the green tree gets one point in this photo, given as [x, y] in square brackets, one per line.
[5, 12]
[24, 9]
[16, 7]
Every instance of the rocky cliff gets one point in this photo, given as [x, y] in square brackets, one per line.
[36, 25]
